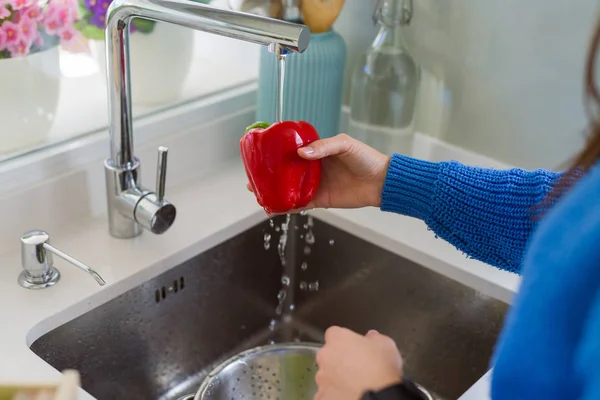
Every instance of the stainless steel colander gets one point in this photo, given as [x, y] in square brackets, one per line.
[283, 371]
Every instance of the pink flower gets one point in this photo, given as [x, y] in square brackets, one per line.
[19, 4]
[66, 15]
[64, 10]
[57, 16]
[12, 32]
[52, 25]
[67, 34]
[48, 11]
[17, 17]
[20, 48]
[29, 28]
[71, 4]
[38, 41]
[34, 12]
[4, 11]
[21, 22]
[2, 40]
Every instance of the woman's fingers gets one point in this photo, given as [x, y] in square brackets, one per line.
[336, 145]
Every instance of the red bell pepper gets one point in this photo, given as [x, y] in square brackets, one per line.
[279, 177]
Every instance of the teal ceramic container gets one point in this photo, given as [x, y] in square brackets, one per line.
[314, 84]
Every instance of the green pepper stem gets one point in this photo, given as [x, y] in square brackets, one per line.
[260, 124]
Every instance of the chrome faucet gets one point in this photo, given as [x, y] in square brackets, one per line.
[129, 204]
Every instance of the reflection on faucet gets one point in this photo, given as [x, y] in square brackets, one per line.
[129, 204]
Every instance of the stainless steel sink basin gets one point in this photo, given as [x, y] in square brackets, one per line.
[158, 340]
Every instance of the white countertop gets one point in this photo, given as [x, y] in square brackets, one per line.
[209, 211]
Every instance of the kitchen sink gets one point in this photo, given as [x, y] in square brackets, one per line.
[159, 339]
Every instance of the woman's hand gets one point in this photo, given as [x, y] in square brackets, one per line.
[353, 173]
[350, 364]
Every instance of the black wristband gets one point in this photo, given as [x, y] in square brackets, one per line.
[407, 390]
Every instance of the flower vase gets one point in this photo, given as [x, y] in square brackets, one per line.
[30, 89]
[159, 62]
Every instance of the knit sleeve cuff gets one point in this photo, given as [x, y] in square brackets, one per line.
[409, 187]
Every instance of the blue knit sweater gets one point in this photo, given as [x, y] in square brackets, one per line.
[550, 345]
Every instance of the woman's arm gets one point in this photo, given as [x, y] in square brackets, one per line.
[486, 213]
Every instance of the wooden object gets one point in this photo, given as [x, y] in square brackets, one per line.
[319, 15]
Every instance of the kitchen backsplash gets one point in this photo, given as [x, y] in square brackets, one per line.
[500, 77]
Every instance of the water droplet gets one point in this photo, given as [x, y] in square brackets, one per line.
[271, 223]
[272, 325]
[292, 307]
[281, 295]
[313, 286]
[279, 309]
[303, 285]
[306, 250]
[285, 280]
[283, 240]
[305, 226]
[310, 238]
[331, 242]
[267, 240]
[271, 342]
[277, 229]
[304, 266]
[303, 212]
[311, 221]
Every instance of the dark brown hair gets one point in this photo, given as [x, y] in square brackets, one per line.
[590, 155]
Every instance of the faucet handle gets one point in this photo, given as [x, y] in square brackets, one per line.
[152, 211]
[161, 173]
[38, 265]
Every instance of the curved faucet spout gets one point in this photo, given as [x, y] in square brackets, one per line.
[131, 206]
[237, 25]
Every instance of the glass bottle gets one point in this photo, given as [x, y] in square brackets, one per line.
[384, 85]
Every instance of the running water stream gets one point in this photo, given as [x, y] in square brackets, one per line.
[287, 270]
[281, 57]
[289, 231]
[285, 297]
